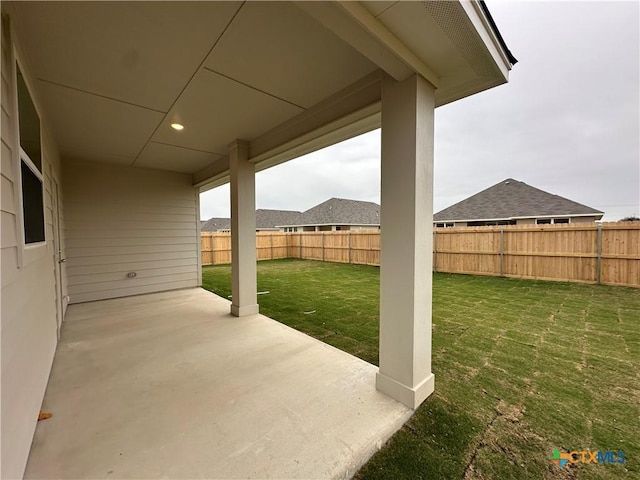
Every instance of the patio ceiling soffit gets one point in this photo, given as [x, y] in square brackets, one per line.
[401, 39]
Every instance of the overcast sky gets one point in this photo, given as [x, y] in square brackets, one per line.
[568, 122]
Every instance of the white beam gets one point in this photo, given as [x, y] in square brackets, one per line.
[355, 25]
[244, 286]
[351, 111]
[406, 240]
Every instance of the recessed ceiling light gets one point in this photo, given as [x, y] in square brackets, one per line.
[177, 126]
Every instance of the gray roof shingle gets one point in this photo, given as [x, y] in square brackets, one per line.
[340, 211]
[266, 218]
[335, 211]
[215, 225]
[512, 199]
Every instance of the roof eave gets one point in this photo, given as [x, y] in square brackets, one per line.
[544, 215]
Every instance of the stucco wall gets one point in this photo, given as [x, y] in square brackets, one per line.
[120, 220]
[29, 324]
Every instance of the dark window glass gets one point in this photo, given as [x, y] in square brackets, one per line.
[561, 220]
[543, 221]
[32, 205]
[29, 124]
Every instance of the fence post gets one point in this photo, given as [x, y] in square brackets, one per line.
[213, 248]
[502, 251]
[349, 244]
[435, 250]
[599, 255]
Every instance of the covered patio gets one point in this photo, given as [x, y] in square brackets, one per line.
[171, 385]
[115, 116]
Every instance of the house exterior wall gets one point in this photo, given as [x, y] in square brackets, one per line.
[583, 219]
[362, 227]
[28, 297]
[120, 220]
[328, 228]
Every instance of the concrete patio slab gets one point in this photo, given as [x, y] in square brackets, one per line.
[170, 385]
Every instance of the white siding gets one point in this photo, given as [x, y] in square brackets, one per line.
[120, 220]
[28, 325]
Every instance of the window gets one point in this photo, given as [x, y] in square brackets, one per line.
[551, 221]
[33, 214]
[30, 164]
[444, 225]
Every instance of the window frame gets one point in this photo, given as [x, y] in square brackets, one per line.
[27, 252]
[553, 221]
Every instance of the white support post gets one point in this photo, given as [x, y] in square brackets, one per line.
[406, 256]
[243, 231]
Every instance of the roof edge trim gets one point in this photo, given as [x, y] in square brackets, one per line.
[513, 60]
[594, 214]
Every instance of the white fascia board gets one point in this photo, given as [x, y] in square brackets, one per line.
[350, 112]
[487, 34]
[388, 40]
[354, 24]
[364, 121]
[559, 215]
[210, 182]
[533, 217]
[480, 219]
[357, 123]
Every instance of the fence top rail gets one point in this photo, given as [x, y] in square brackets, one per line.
[574, 227]
[283, 234]
[621, 226]
[541, 228]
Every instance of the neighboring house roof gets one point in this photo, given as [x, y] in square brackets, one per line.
[215, 225]
[340, 211]
[335, 211]
[266, 218]
[512, 199]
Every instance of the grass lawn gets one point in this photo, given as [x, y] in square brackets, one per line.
[522, 367]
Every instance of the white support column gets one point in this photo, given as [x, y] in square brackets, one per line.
[243, 231]
[406, 240]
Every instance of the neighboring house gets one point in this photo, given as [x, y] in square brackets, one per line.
[336, 214]
[269, 220]
[333, 215]
[216, 225]
[117, 115]
[266, 221]
[512, 202]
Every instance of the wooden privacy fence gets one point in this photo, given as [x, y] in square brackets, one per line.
[606, 253]
[362, 247]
